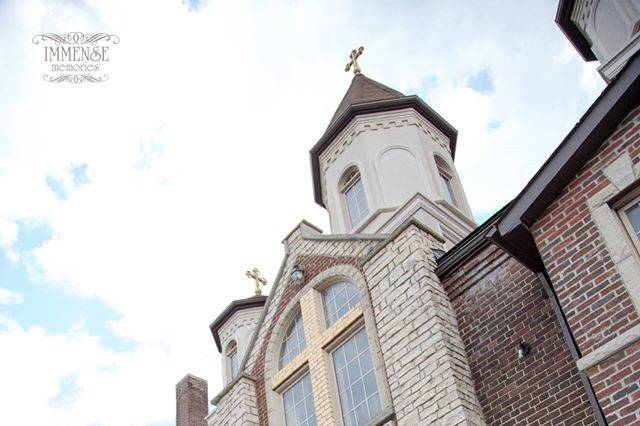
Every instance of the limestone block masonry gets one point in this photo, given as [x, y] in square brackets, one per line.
[425, 359]
[424, 376]
[239, 405]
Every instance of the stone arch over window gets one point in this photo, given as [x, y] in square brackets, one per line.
[446, 181]
[233, 359]
[354, 329]
[354, 198]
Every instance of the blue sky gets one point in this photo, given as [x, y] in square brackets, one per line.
[42, 303]
[481, 82]
[54, 307]
[132, 208]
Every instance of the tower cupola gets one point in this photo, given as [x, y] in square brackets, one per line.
[232, 331]
[604, 30]
[384, 158]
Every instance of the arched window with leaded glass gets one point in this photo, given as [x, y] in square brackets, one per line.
[294, 341]
[337, 299]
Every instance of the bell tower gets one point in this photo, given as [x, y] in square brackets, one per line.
[386, 157]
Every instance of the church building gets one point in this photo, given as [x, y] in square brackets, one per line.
[409, 313]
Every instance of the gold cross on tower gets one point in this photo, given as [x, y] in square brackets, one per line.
[255, 275]
[355, 54]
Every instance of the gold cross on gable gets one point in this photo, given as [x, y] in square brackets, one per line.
[355, 54]
[255, 275]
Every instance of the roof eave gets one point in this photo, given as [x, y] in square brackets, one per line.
[571, 31]
[236, 305]
[467, 247]
[593, 129]
[372, 107]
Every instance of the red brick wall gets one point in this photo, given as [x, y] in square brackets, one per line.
[616, 382]
[498, 302]
[312, 265]
[591, 293]
[192, 404]
[590, 290]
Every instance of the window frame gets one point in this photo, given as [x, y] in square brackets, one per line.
[234, 355]
[331, 338]
[349, 179]
[625, 205]
[231, 350]
[444, 173]
[360, 325]
[291, 323]
[322, 290]
[445, 182]
[290, 383]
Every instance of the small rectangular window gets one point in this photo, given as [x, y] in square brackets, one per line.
[356, 202]
[298, 404]
[630, 215]
[447, 189]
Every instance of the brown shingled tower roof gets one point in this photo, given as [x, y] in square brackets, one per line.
[363, 89]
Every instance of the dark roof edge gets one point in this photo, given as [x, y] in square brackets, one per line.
[593, 129]
[236, 305]
[468, 246]
[353, 110]
[571, 30]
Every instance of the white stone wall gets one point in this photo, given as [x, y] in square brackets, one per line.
[238, 407]
[395, 153]
[425, 359]
[610, 26]
[238, 328]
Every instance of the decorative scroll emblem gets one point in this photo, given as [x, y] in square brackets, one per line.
[76, 57]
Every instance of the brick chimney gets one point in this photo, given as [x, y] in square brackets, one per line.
[192, 405]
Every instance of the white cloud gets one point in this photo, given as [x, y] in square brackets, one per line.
[8, 233]
[36, 364]
[10, 297]
[197, 160]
